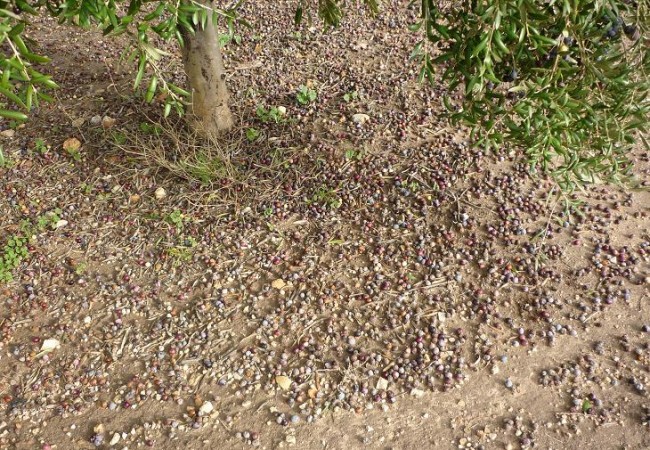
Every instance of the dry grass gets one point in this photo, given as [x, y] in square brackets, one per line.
[185, 154]
[228, 173]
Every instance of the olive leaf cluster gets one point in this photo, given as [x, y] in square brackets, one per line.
[22, 82]
[564, 80]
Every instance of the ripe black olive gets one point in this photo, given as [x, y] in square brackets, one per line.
[512, 76]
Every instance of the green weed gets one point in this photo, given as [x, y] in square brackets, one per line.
[272, 114]
[86, 188]
[326, 196]
[73, 152]
[353, 154]
[119, 138]
[204, 168]
[5, 162]
[252, 134]
[40, 146]
[48, 220]
[350, 96]
[306, 95]
[177, 219]
[80, 268]
[183, 253]
[14, 251]
[150, 128]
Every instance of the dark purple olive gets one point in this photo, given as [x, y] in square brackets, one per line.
[512, 76]
[631, 31]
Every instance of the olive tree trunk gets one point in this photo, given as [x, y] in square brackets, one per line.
[209, 112]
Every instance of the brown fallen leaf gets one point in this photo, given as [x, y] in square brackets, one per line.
[284, 382]
[278, 284]
[107, 122]
[71, 144]
[312, 392]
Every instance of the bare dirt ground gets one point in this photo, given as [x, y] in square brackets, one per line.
[377, 285]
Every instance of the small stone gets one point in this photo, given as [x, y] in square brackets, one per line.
[61, 223]
[360, 118]
[115, 439]
[160, 193]
[417, 392]
[382, 384]
[206, 408]
[77, 123]
[360, 45]
[282, 110]
[290, 439]
[8, 133]
[97, 440]
[96, 120]
[509, 383]
[50, 344]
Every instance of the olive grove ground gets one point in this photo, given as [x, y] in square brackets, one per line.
[342, 285]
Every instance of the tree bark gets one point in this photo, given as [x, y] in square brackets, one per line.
[209, 112]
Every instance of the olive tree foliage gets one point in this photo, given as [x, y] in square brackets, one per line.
[564, 80]
[25, 85]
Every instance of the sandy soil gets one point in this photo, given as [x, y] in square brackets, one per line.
[350, 286]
